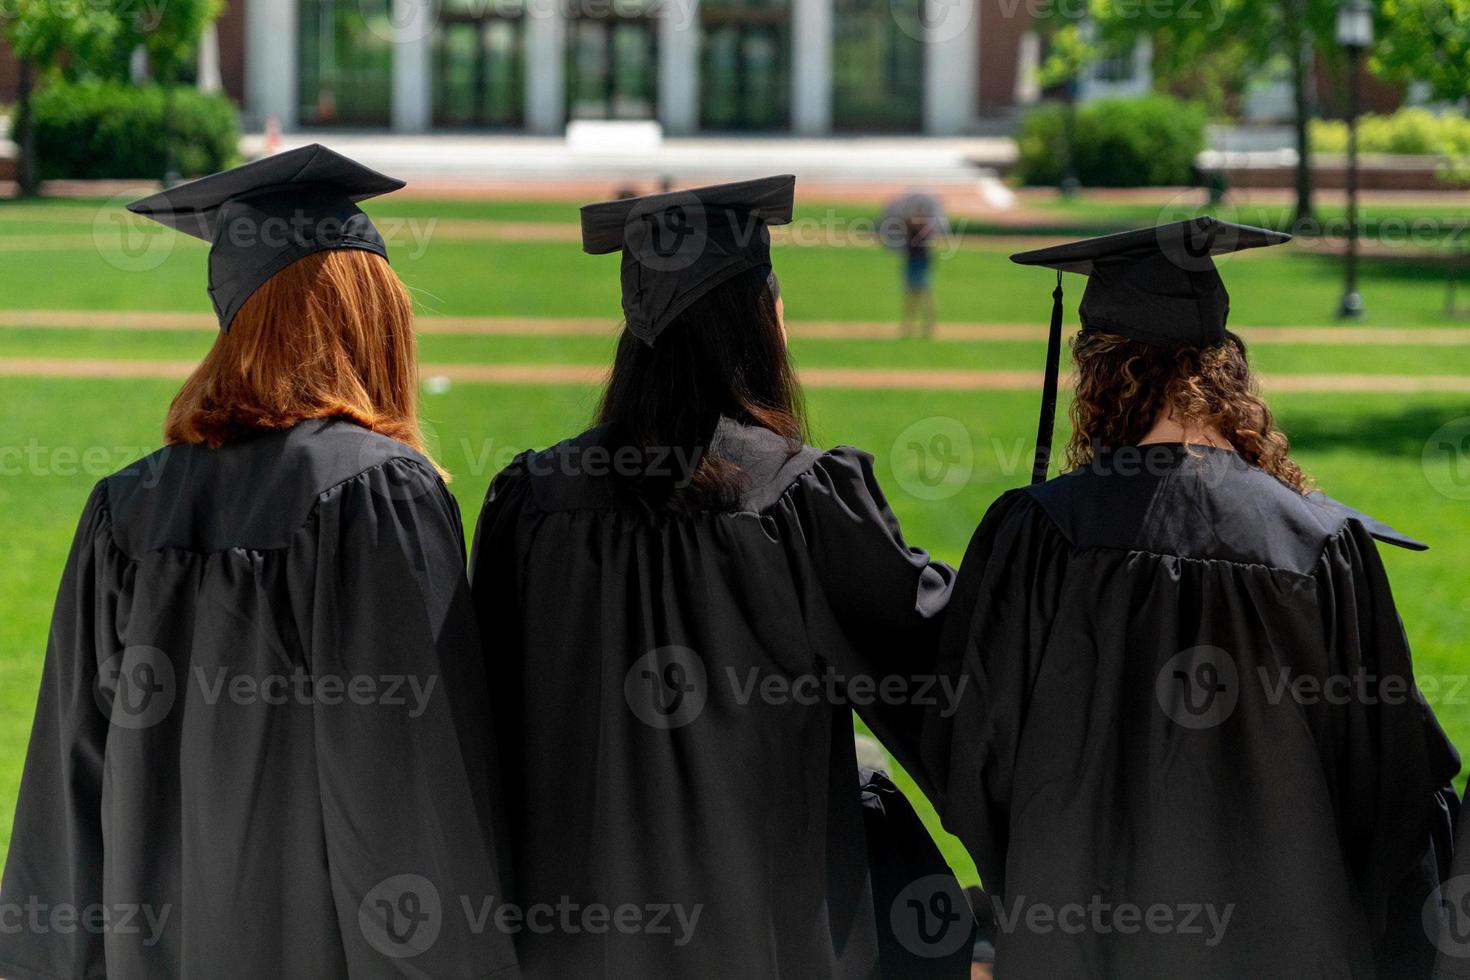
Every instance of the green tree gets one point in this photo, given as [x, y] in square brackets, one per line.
[168, 31]
[1235, 36]
[1425, 41]
[44, 34]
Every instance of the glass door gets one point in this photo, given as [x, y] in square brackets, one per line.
[479, 71]
[345, 63]
[877, 66]
[745, 66]
[612, 67]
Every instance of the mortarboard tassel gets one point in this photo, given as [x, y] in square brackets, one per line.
[1042, 458]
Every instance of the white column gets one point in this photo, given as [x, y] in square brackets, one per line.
[951, 65]
[678, 67]
[270, 65]
[413, 64]
[208, 64]
[811, 67]
[546, 97]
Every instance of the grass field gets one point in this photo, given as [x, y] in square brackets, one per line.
[1376, 450]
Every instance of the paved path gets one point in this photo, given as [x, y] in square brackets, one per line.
[810, 329]
[848, 378]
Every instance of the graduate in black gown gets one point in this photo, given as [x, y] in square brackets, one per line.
[683, 605]
[261, 748]
[1192, 745]
[1448, 917]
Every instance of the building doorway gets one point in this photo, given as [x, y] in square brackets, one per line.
[745, 65]
[479, 70]
[612, 66]
[877, 66]
[345, 63]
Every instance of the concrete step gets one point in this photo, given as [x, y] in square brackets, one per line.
[918, 161]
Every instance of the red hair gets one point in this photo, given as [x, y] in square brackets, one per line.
[329, 336]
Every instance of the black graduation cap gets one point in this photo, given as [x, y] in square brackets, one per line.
[261, 217]
[679, 245]
[1155, 285]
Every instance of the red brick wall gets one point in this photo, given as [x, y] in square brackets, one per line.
[231, 28]
[1000, 48]
[1332, 92]
[8, 74]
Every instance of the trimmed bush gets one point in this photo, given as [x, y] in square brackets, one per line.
[108, 129]
[1149, 141]
[1408, 131]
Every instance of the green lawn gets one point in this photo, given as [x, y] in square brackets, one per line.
[448, 275]
[1379, 219]
[452, 277]
[808, 352]
[1364, 448]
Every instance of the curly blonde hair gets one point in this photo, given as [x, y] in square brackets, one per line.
[1124, 386]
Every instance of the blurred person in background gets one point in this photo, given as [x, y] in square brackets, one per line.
[913, 226]
[1192, 745]
[687, 601]
[262, 732]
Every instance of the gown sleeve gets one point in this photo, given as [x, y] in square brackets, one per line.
[407, 779]
[1453, 944]
[1008, 593]
[1394, 761]
[56, 841]
[495, 593]
[886, 599]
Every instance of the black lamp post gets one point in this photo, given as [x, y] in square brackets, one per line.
[1355, 34]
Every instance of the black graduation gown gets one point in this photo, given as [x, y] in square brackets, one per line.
[1129, 749]
[673, 691]
[188, 794]
[1448, 921]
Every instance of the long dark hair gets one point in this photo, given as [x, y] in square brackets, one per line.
[723, 357]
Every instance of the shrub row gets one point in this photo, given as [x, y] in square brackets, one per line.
[1408, 131]
[1150, 141]
[107, 129]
